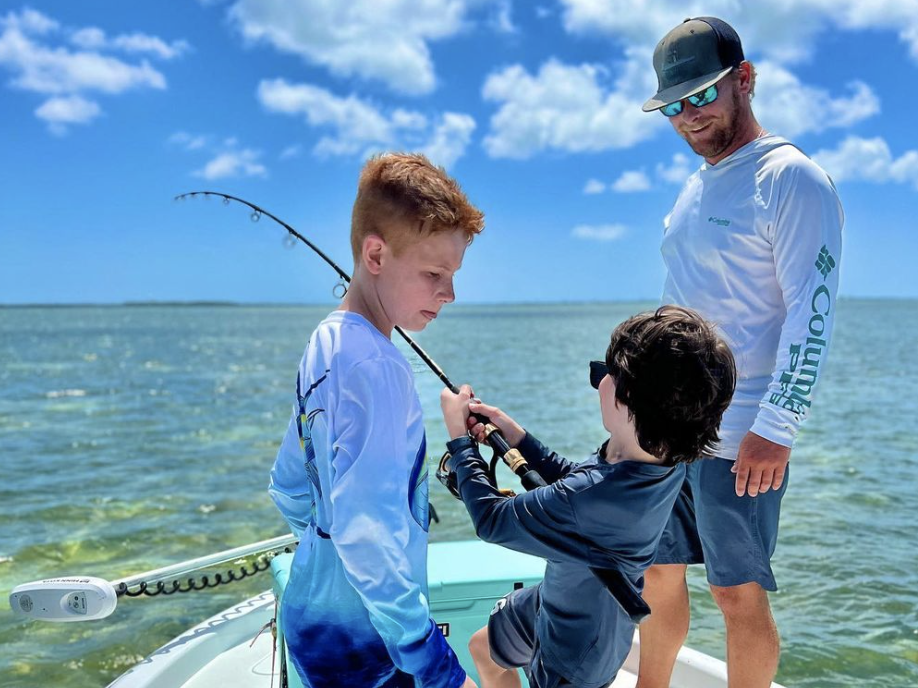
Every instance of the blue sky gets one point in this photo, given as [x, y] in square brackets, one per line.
[109, 109]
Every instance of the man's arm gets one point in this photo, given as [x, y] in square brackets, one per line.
[371, 520]
[807, 250]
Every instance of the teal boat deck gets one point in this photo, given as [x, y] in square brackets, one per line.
[465, 579]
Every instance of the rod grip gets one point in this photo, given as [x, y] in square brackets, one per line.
[531, 480]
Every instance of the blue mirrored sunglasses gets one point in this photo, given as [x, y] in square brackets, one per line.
[700, 99]
[598, 370]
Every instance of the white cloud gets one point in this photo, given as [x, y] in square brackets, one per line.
[141, 43]
[227, 157]
[676, 171]
[599, 232]
[594, 186]
[293, 151]
[631, 181]
[406, 119]
[571, 108]
[780, 30]
[449, 139]
[31, 48]
[93, 38]
[55, 71]
[379, 41]
[29, 21]
[59, 112]
[90, 38]
[357, 123]
[563, 107]
[502, 21]
[359, 128]
[189, 141]
[871, 160]
[785, 106]
[233, 163]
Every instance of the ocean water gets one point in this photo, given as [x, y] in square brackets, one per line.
[135, 437]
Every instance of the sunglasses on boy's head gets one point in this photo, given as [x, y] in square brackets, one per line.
[598, 370]
[700, 99]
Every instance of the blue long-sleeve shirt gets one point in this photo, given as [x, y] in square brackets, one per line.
[593, 514]
[351, 480]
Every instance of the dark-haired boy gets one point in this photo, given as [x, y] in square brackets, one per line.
[663, 388]
[351, 474]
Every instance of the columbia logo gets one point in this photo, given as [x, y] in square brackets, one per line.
[719, 221]
[824, 262]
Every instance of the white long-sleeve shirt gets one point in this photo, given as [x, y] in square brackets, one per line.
[753, 243]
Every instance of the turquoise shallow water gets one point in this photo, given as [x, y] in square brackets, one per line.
[134, 437]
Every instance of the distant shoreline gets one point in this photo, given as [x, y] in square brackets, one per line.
[271, 304]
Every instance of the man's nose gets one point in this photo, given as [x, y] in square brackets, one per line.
[689, 111]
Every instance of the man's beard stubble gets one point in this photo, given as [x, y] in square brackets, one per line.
[722, 137]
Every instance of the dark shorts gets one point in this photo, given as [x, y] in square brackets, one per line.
[734, 537]
[513, 641]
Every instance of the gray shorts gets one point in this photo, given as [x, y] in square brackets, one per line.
[513, 640]
[734, 537]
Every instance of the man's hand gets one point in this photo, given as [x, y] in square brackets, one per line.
[455, 409]
[510, 429]
[760, 465]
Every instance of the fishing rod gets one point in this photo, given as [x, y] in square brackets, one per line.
[502, 450]
[614, 580]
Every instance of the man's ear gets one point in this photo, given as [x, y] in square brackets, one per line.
[744, 81]
[373, 253]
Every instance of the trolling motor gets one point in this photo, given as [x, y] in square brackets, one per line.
[615, 582]
[86, 598]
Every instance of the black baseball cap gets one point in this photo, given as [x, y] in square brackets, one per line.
[696, 54]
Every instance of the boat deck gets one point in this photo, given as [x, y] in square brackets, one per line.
[224, 651]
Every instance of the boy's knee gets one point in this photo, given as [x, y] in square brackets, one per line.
[478, 644]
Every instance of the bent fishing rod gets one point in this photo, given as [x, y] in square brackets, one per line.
[502, 450]
[614, 580]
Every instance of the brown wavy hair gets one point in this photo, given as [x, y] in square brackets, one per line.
[403, 195]
[676, 377]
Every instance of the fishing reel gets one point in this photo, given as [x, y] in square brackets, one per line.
[448, 479]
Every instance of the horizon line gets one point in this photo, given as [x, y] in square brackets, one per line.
[192, 303]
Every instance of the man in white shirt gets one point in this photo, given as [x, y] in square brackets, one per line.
[752, 243]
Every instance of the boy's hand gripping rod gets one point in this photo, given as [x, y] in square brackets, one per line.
[496, 440]
[614, 580]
